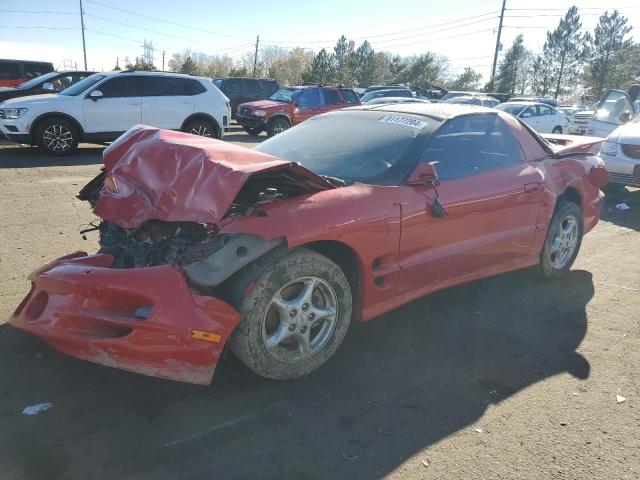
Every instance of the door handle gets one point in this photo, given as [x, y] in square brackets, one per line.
[532, 187]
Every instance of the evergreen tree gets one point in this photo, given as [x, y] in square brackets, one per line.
[467, 80]
[343, 63]
[512, 72]
[607, 50]
[365, 61]
[189, 66]
[564, 51]
[321, 69]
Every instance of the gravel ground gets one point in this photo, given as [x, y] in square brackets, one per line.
[504, 378]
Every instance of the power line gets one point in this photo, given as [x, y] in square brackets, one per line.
[141, 28]
[210, 32]
[441, 38]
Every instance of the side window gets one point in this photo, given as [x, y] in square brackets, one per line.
[402, 93]
[9, 70]
[529, 112]
[192, 87]
[252, 87]
[120, 87]
[62, 82]
[232, 85]
[350, 97]
[470, 145]
[309, 98]
[616, 108]
[545, 110]
[269, 87]
[34, 70]
[331, 97]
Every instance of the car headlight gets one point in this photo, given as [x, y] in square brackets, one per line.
[259, 113]
[609, 148]
[12, 113]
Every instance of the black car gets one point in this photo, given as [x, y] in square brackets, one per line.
[53, 82]
[242, 90]
[391, 86]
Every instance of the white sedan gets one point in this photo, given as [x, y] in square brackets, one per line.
[621, 154]
[541, 117]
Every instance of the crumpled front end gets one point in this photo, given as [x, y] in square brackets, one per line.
[144, 320]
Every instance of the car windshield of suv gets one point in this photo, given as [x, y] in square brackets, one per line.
[284, 95]
[373, 147]
[512, 108]
[82, 85]
[35, 81]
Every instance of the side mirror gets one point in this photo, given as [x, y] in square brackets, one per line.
[625, 117]
[526, 115]
[48, 87]
[423, 174]
[95, 95]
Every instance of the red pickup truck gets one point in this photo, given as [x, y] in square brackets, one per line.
[292, 105]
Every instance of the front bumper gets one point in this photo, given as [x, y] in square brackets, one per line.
[17, 129]
[141, 320]
[622, 169]
[251, 121]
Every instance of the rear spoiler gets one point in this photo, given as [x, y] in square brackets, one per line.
[563, 145]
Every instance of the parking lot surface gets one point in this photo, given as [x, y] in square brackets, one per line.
[510, 377]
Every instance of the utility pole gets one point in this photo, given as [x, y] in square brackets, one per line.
[495, 55]
[84, 46]
[163, 60]
[255, 57]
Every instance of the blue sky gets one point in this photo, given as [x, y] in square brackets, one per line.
[462, 30]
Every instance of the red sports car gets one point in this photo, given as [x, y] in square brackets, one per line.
[274, 251]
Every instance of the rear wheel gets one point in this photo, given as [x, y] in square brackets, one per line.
[557, 129]
[253, 131]
[277, 125]
[57, 136]
[563, 240]
[201, 127]
[294, 317]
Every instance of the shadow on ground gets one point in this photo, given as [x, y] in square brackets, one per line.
[28, 157]
[397, 385]
[624, 218]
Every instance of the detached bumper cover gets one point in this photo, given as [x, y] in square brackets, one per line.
[83, 308]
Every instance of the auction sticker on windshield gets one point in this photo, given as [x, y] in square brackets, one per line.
[407, 122]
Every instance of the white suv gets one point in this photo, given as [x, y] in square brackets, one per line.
[104, 105]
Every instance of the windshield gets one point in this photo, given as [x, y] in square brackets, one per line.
[82, 85]
[35, 81]
[370, 96]
[284, 95]
[464, 100]
[372, 147]
[512, 108]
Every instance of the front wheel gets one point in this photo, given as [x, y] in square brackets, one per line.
[563, 240]
[277, 125]
[295, 316]
[557, 130]
[57, 136]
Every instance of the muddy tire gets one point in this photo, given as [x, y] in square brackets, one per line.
[253, 131]
[295, 312]
[563, 240]
[57, 136]
[277, 125]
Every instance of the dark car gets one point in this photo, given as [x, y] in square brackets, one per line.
[241, 90]
[53, 82]
[392, 86]
[391, 92]
[13, 72]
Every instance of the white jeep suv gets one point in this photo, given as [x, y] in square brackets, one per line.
[104, 105]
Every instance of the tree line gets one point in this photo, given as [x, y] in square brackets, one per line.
[571, 57]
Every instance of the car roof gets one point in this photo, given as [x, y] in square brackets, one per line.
[436, 110]
[527, 103]
[154, 74]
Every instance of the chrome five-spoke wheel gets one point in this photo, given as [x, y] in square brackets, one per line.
[300, 319]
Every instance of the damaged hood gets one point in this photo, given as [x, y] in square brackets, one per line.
[173, 176]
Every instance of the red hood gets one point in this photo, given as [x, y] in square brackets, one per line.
[174, 176]
[265, 105]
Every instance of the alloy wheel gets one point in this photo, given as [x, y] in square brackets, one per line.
[565, 241]
[200, 130]
[300, 319]
[57, 138]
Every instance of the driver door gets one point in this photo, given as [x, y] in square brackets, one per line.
[492, 198]
[308, 104]
[119, 108]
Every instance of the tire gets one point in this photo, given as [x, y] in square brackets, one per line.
[277, 125]
[57, 136]
[559, 252]
[202, 128]
[557, 129]
[277, 315]
[253, 131]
